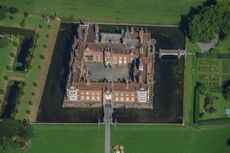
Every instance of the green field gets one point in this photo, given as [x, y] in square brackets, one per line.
[131, 11]
[67, 139]
[136, 139]
[171, 139]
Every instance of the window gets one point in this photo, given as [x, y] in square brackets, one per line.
[82, 93]
[93, 98]
[87, 97]
[87, 93]
[98, 98]
[98, 93]
[82, 98]
[116, 94]
[122, 99]
[117, 99]
[122, 94]
[127, 98]
[92, 93]
[133, 99]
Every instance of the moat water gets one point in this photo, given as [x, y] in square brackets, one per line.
[24, 54]
[167, 99]
[51, 103]
[168, 90]
[11, 99]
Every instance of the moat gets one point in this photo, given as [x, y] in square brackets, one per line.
[168, 89]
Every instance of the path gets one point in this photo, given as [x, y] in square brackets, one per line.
[107, 121]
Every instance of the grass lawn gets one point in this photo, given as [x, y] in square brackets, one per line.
[223, 46]
[173, 139]
[214, 72]
[67, 139]
[132, 11]
[221, 104]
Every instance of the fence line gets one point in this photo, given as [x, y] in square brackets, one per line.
[126, 24]
[137, 124]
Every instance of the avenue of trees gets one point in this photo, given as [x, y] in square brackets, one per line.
[14, 134]
[4, 10]
[206, 21]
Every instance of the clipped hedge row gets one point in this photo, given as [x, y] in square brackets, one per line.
[214, 121]
[213, 55]
[196, 105]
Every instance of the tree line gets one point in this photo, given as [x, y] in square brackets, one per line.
[207, 20]
[15, 134]
[4, 10]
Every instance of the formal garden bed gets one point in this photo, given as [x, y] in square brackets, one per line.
[27, 58]
[212, 75]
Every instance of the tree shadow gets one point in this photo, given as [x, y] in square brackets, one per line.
[228, 142]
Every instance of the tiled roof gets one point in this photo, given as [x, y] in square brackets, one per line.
[114, 48]
[113, 86]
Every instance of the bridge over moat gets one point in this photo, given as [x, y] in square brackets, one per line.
[171, 52]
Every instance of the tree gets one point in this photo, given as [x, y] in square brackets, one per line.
[14, 134]
[3, 11]
[202, 88]
[42, 57]
[26, 14]
[30, 103]
[13, 10]
[71, 18]
[208, 100]
[226, 90]
[52, 17]
[225, 26]
[2, 16]
[40, 26]
[43, 16]
[211, 109]
[11, 17]
[22, 24]
[5, 78]
[2, 91]
[35, 84]
[204, 22]
[27, 111]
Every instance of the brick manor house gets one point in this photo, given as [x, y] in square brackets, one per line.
[111, 68]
